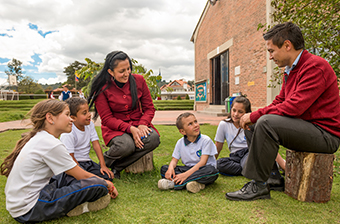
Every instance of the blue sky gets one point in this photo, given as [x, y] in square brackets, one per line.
[30, 68]
[49, 35]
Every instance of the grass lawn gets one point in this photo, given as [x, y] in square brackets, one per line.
[140, 201]
[11, 110]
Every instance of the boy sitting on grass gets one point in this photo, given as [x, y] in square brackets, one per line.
[197, 152]
[77, 142]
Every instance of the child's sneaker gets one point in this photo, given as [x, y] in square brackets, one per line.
[195, 187]
[91, 206]
[165, 184]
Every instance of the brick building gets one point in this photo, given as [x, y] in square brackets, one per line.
[230, 53]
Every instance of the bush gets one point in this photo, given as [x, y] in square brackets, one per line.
[39, 91]
[174, 104]
[179, 98]
[187, 97]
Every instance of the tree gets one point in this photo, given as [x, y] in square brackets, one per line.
[88, 72]
[28, 85]
[150, 79]
[191, 83]
[70, 73]
[14, 69]
[51, 86]
[162, 83]
[319, 24]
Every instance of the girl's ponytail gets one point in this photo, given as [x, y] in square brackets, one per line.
[7, 165]
[38, 117]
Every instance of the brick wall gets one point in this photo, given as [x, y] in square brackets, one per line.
[237, 20]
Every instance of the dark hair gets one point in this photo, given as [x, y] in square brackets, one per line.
[240, 99]
[38, 117]
[285, 31]
[104, 78]
[74, 104]
[179, 123]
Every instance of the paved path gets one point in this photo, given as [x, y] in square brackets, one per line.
[161, 118]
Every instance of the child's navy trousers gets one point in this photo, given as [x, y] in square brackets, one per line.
[205, 175]
[56, 201]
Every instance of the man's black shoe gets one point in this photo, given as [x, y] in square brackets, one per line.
[249, 192]
[276, 182]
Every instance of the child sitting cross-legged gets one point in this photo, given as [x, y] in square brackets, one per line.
[31, 196]
[197, 152]
[77, 142]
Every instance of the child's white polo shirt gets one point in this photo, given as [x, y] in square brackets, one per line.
[190, 152]
[79, 142]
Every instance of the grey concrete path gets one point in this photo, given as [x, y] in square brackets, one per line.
[161, 118]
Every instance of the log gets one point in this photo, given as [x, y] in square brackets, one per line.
[143, 164]
[309, 176]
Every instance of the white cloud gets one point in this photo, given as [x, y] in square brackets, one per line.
[155, 33]
[52, 80]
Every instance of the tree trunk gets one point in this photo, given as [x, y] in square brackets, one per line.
[143, 164]
[309, 176]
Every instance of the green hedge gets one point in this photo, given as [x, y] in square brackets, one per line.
[17, 109]
[174, 104]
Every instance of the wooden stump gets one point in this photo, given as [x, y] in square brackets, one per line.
[143, 164]
[309, 176]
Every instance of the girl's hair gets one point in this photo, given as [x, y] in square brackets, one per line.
[246, 103]
[38, 117]
[104, 78]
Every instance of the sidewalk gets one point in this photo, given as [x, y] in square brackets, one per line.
[161, 118]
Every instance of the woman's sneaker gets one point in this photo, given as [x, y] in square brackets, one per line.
[195, 187]
[97, 205]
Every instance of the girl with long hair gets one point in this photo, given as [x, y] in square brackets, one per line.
[31, 194]
[230, 130]
[124, 104]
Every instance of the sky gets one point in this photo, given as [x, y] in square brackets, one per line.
[49, 35]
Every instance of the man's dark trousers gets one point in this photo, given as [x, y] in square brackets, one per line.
[271, 131]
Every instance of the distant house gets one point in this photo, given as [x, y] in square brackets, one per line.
[177, 88]
[230, 53]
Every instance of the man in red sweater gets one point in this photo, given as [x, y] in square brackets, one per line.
[305, 116]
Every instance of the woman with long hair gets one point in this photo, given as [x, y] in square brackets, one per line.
[123, 102]
[31, 194]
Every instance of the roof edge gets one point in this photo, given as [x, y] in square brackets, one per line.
[192, 39]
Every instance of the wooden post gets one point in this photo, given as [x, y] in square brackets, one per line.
[143, 164]
[309, 176]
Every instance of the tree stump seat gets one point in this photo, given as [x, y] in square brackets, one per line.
[309, 176]
[143, 164]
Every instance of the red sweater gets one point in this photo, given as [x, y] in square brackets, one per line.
[114, 108]
[311, 93]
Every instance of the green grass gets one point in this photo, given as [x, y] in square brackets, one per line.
[140, 201]
[11, 110]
